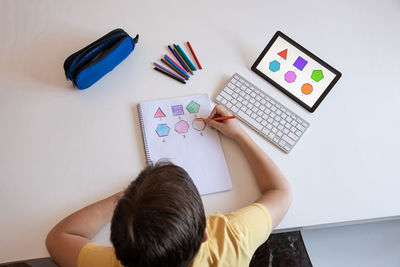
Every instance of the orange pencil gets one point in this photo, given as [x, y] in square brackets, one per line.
[218, 118]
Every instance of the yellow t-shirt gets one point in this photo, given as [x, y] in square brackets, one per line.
[233, 239]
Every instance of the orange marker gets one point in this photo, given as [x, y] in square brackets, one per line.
[218, 118]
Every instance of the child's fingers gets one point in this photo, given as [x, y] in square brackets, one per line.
[214, 124]
[213, 112]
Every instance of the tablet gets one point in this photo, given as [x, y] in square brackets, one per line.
[295, 71]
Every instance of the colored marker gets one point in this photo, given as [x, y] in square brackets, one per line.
[185, 57]
[184, 62]
[218, 118]
[178, 69]
[161, 69]
[175, 69]
[178, 58]
[194, 55]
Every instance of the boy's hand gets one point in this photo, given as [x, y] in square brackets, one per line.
[230, 128]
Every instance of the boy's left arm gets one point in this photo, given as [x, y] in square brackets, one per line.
[67, 238]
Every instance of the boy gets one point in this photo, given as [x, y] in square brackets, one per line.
[159, 219]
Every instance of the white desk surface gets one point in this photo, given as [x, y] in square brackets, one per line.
[61, 148]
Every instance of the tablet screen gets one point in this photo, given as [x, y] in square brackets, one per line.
[296, 71]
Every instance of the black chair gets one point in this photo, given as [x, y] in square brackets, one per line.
[282, 250]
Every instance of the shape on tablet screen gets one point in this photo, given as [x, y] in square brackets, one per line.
[317, 75]
[307, 88]
[290, 76]
[274, 66]
[300, 63]
[283, 54]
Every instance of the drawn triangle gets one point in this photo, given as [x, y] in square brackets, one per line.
[283, 54]
[159, 113]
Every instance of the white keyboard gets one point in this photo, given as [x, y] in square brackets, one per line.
[261, 112]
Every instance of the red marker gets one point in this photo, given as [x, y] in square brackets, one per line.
[194, 55]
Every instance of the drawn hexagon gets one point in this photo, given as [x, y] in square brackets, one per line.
[274, 66]
[162, 130]
[317, 75]
[193, 107]
[290, 76]
[198, 125]
[181, 126]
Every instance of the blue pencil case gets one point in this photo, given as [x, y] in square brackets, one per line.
[91, 63]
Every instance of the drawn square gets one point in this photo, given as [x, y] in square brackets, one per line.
[177, 110]
[300, 63]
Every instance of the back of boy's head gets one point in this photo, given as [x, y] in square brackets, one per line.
[159, 220]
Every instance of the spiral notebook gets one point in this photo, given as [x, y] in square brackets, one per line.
[170, 132]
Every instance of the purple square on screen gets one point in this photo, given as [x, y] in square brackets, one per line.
[300, 63]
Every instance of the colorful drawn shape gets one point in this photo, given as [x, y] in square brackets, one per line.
[177, 110]
[283, 54]
[290, 76]
[182, 126]
[193, 107]
[300, 63]
[317, 75]
[307, 88]
[162, 130]
[274, 66]
[159, 113]
[198, 125]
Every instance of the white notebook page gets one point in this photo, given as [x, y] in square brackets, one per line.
[172, 134]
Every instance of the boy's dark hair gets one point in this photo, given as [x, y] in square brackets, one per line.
[159, 220]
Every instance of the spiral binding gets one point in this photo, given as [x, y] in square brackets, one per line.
[146, 148]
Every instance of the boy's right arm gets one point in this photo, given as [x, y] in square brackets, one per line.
[276, 193]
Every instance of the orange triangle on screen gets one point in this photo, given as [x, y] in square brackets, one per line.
[283, 54]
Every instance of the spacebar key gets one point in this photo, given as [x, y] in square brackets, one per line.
[250, 120]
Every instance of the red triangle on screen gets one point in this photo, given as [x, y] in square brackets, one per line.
[283, 54]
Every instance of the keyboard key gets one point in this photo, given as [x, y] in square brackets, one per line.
[250, 120]
[224, 101]
[293, 136]
[228, 90]
[300, 127]
[271, 135]
[225, 95]
[229, 105]
[274, 130]
[288, 140]
[265, 131]
[298, 133]
[285, 131]
[279, 134]
[235, 109]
